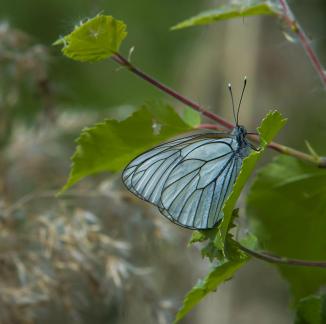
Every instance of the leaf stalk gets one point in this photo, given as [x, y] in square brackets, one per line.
[272, 258]
[123, 61]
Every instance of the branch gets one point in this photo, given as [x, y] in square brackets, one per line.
[282, 260]
[210, 126]
[286, 150]
[124, 62]
[305, 42]
[283, 149]
[318, 161]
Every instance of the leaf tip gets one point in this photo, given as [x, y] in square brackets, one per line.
[175, 27]
[64, 188]
[94, 39]
[59, 41]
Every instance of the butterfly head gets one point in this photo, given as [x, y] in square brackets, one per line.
[240, 133]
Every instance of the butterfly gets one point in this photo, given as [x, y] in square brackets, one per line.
[190, 178]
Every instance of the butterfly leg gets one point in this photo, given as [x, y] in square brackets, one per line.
[253, 147]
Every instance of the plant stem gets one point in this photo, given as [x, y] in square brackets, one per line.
[320, 162]
[286, 150]
[210, 126]
[123, 61]
[296, 28]
[282, 260]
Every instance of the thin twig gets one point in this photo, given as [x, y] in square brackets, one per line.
[123, 61]
[210, 126]
[282, 260]
[320, 162]
[296, 28]
[283, 149]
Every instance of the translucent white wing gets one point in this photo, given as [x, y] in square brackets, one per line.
[145, 175]
[194, 193]
[187, 179]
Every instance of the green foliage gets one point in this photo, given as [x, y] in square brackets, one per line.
[249, 241]
[233, 10]
[268, 129]
[210, 283]
[221, 244]
[286, 205]
[311, 310]
[191, 117]
[95, 40]
[198, 236]
[270, 126]
[211, 252]
[110, 145]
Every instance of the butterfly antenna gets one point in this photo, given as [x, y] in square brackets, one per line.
[243, 89]
[231, 94]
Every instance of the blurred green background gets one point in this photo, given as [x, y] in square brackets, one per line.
[97, 255]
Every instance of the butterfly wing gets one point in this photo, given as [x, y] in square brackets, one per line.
[145, 175]
[188, 179]
[196, 189]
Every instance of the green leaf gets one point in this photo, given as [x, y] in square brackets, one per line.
[250, 241]
[198, 236]
[95, 40]
[287, 209]
[110, 145]
[231, 249]
[191, 117]
[224, 246]
[210, 283]
[241, 9]
[311, 310]
[270, 126]
[202, 235]
[211, 252]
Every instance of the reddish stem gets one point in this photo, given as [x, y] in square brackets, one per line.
[210, 126]
[320, 162]
[282, 260]
[295, 27]
[123, 61]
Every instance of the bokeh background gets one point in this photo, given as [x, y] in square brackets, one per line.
[98, 255]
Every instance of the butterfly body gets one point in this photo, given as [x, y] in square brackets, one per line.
[189, 178]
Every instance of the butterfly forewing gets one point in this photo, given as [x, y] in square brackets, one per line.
[146, 173]
[188, 179]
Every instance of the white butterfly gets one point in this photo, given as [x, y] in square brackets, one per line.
[190, 178]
